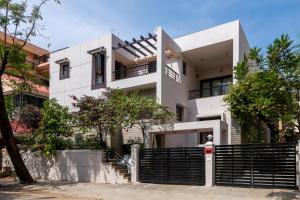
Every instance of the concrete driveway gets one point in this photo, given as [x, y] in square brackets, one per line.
[89, 191]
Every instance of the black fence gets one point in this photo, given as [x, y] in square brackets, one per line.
[209, 92]
[172, 166]
[139, 70]
[256, 165]
[172, 74]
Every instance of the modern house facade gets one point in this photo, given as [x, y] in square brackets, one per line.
[189, 74]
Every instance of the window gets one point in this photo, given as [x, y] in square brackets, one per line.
[98, 79]
[22, 99]
[184, 68]
[215, 86]
[203, 137]
[209, 118]
[64, 70]
[179, 113]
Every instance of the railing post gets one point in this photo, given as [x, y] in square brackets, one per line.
[209, 162]
[134, 168]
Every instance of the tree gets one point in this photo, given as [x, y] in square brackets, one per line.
[266, 96]
[18, 25]
[30, 116]
[117, 109]
[106, 114]
[55, 128]
[145, 112]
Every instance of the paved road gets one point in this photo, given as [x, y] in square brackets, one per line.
[89, 191]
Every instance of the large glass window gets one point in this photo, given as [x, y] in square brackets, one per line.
[20, 100]
[98, 68]
[215, 86]
[179, 113]
[64, 70]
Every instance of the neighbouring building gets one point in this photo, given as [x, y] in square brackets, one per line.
[190, 74]
[39, 59]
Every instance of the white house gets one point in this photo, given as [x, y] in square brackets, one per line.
[190, 74]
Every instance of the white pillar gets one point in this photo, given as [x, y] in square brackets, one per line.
[135, 149]
[217, 133]
[209, 163]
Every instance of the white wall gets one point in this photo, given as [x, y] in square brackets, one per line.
[74, 166]
[169, 91]
[79, 83]
[181, 139]
[80, 80]
[207, 106]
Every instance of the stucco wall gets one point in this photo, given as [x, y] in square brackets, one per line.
[74, 166]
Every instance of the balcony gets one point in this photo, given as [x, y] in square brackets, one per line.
[171, 73]
[209, 92]
[139, 70]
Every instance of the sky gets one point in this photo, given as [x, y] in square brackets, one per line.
[75, 21]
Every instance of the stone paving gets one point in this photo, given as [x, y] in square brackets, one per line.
[89, 191]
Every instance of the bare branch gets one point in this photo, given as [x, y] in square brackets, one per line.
[33, 24]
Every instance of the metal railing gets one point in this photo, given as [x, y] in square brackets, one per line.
[112, 156]
[209, 92]
[172, 74]
[139, 70]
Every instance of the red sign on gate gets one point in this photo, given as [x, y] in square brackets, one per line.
[208, 150]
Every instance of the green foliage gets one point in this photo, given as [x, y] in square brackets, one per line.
[146, 112]
[267, 95]
[55, 128]
[10, 107]
[30, 116]
[55, 119]
[117, 109]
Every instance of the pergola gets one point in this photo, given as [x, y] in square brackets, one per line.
[143, 47]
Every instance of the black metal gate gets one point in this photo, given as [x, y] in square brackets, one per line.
[172, 166]
[257, 165]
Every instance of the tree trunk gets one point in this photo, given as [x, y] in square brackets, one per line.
[274, 132]
[10, 143]
[101, 139]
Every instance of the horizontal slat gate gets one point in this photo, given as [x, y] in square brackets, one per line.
[172, 166]
[258, 165]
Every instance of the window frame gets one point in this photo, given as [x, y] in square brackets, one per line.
[184, 67]
[102, 61]
[211, 80]
[61, 70]
[179, 117]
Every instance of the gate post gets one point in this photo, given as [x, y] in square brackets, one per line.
[209, 162]
[134, 168]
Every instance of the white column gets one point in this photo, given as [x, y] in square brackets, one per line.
[217, 134]
[135, 149]
[209, 163]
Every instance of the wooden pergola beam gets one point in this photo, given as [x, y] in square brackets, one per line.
[137, 50]
[132, 46]
[139, 43]
[128, 50]
[149, 43]
[152, 36]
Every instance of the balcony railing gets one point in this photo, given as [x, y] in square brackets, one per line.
[135, 71]
[209, 92]
[171, 73]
